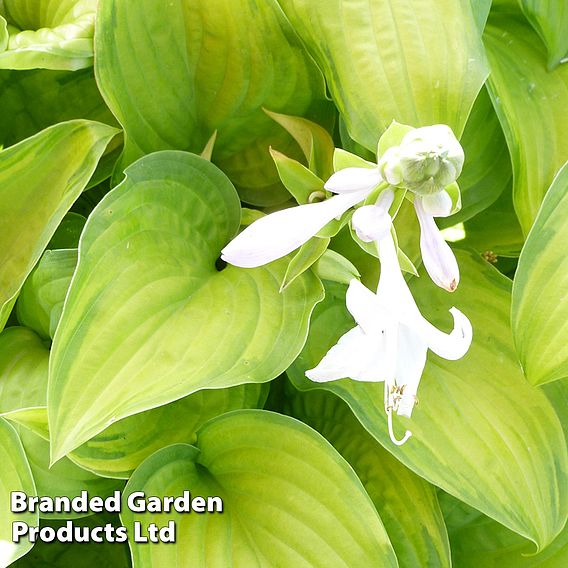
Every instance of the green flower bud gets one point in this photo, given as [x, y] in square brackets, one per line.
[430, 159]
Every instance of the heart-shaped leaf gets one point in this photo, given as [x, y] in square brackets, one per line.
[67, 155]
[480, 432]
[418, 534]
[15, 475]
[391, 59]
[148, 319]
[223, 81]
[51, 34]
[531, 103]
[279, 481]
[40, 302]
[539, 310]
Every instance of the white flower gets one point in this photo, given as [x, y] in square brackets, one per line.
[391, 338]
[278, 234]
[439, 259]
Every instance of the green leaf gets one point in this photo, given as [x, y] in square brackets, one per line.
[531, 105]
[480, 432]
[64, 478]
[279, 481]
[539, 310]
[41, 300]
[315, 141]
[549, 18]
[392, 136]
[67, 235]
[308, 254]
[23, 369]
[487, 169]
[15, 475]
[73, 554]
[297, 179]
[418, 534]
[123, 446]
[51, 34]
[33, 100]
[173, 323]
[343, 159]
[388, 60]
[496, 228]
[67, 155]
[223, 81]
[336, 268]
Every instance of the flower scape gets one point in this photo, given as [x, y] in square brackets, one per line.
[283, 283]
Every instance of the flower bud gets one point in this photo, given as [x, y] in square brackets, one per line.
[389, 166]
[430, 158]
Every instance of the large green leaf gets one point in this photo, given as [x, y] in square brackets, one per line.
[539, 309]
[91, 554]
[51, 34]
[227, 59]
[418, 534]
[63, 478]
[23, 369]
[149, 319]
[289, 499]
[33, 100]
[15, 475]
[496, 228]
[123, 446]
[40, 302]
[480, 432]
[477, 540]
[23, 385]
[67, 155]
[394, 59]
[487, 168]
[531, 104]
[549, 18]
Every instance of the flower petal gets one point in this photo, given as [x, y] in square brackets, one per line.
[357, 356]
[353, 179]
[437, 204]
[412, 352]
[373, 222]
[452, 345]
[278, 234]
[438, 258]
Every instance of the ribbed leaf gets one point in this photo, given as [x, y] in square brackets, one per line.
[531, 104]
[148, 318]
[40, 302]
[394, 59]
[15, 475]
[487, 168]
[480, 432]
[418, 533]
[540, 310]
[289, 500]
[227, 59]
[31, 210]
[549, 18]
[51, 34]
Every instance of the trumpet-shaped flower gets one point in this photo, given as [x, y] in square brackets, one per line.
[278, 234]
[391, 338]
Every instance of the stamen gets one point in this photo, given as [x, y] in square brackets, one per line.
[393, 438]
